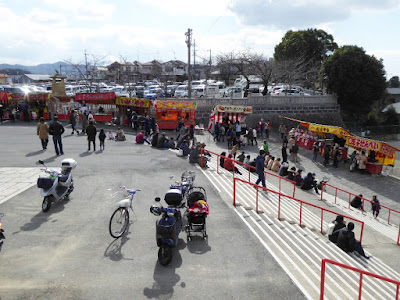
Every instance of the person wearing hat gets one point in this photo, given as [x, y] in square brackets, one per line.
[338, 224]
[298, 177]
[347, 242]
[161, 140]
[56, 129]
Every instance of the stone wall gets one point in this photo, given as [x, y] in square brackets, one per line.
[317, 109]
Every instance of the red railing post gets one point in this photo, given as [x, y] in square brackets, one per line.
[257, 194]
[280, 184]
[360, 287]
[234, 192]
[397, 292]
[321, 295]
[362, 231]
[322, 218]
[363, 205]
[389, 216]
[294, 190]
[249, 174]
[218, 160]
[201, 157]
[398, 237]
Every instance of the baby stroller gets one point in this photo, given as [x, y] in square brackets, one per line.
[197, 211]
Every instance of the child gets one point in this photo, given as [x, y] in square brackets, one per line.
[102, 137]
[110, 135]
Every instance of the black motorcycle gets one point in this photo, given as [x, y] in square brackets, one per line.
[169, 225]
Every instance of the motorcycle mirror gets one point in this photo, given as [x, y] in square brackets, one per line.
[41, 162]
[158, 199]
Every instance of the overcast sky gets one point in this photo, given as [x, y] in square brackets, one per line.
[47, 31]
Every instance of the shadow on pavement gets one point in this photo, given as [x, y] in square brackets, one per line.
[40, 218]
[198, 245]
[113, 251]
[35, 153]
[165, 277]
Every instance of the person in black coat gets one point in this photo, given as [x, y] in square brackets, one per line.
[56, 129]
[284, 152]
[357, 202]
[154, 140]
[161, 140]
[91, 132]
[222, 159]
[339, 224]
[347, 242]
[309, 182]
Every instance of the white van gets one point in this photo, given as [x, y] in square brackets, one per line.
[181, 91]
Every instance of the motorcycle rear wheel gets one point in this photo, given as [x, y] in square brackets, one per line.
[46, 204]
[165, 255]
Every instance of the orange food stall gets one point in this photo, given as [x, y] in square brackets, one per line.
[168, 113]
[100, 99]
[140, 106]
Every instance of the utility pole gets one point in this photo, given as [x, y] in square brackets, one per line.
[188, 43]
[194, 59]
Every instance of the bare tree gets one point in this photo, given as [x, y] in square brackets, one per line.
[262, 67]
[290, 71]
[87, 69]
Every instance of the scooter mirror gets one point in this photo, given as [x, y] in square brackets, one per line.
[158, 199]
[41, 162]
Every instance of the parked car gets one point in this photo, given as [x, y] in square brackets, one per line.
[287, 92]
[234, 92]
[154, 93]
[181, 91]
[171, 90]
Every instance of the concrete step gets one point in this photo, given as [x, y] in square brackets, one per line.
[299, 250]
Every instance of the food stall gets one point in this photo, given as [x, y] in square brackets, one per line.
[384, 153]
[102, 105]
[140, 106]
[168, 113]
[232, 112]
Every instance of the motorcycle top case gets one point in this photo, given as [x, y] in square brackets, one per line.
[173, 197]
[45, 183]
[166, 228]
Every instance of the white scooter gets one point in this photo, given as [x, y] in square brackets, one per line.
[58, 185]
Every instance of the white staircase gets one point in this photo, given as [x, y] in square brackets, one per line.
[300, 250]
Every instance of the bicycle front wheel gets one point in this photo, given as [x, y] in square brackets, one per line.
[119, 222]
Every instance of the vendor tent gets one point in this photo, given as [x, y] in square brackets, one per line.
[385, 153]
[234, 114]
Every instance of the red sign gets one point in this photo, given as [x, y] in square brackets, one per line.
[94, 96]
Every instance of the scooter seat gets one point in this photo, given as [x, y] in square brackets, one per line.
[63, 178]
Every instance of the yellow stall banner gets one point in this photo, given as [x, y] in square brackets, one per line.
[132, 102]
[323, 129]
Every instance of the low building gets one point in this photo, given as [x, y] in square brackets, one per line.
[34, 79]
[4, 79]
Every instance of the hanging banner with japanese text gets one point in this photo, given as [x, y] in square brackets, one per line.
[132, 102]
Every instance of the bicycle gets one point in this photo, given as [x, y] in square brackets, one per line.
[120, 218]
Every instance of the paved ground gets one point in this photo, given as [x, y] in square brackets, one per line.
[68, 253]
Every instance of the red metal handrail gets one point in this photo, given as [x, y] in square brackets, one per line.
[362, 272]
[363, 206]
[249, 168]
[363, 199]
[292, 198]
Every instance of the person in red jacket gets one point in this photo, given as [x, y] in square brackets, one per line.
[229, 165]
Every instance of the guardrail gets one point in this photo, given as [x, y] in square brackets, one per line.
[361, 272]
[249, 168]
[235, 179]
[351, 195]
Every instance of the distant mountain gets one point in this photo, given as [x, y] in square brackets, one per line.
[44, 69]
